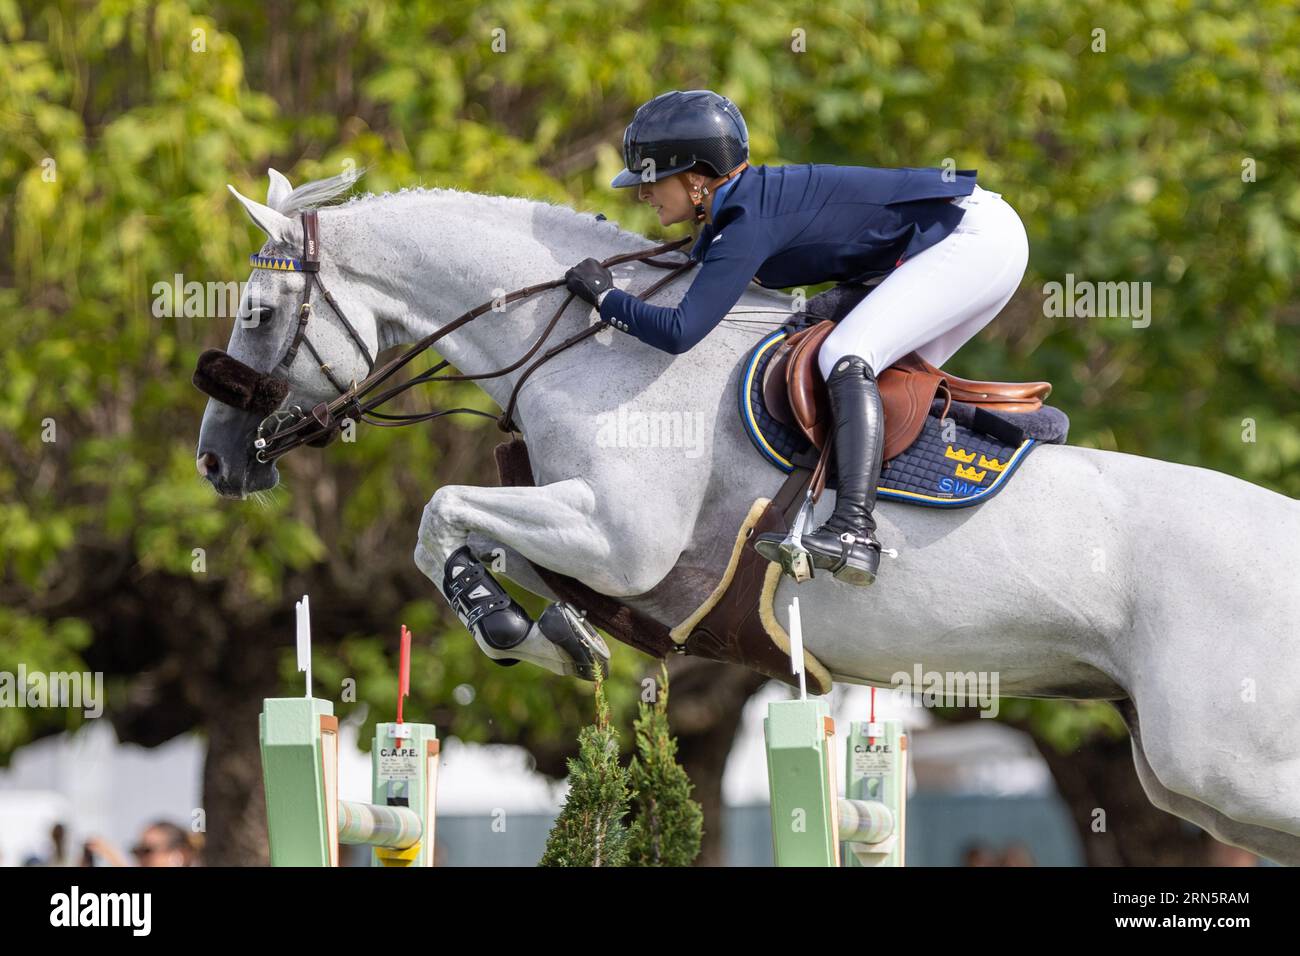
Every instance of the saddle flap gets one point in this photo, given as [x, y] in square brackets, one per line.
[906, 391]
[775, 395]
[805, 389]
[906, 394]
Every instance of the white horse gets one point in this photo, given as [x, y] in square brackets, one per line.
[1170, 590]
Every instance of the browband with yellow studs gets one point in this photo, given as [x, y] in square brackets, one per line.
[310, 261]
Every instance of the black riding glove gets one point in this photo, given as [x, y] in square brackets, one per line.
[588, 279]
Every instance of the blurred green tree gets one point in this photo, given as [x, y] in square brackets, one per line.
[1153, 144]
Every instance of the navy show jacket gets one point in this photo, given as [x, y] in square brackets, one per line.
[798, 225]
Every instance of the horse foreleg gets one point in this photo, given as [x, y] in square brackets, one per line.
[509, 562]
[558, 526]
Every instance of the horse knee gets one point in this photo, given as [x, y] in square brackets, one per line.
[441, 530]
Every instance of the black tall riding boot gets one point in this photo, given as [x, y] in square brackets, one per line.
[846, 544]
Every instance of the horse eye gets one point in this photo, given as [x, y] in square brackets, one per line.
[255, 318]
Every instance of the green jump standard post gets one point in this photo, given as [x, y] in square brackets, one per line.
[809, 819]
[306, 820]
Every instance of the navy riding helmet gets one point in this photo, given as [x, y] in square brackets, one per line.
[677, 130]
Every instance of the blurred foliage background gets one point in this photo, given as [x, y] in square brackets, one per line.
[1154, 143]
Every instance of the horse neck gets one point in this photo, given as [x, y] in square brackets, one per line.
[431, 257]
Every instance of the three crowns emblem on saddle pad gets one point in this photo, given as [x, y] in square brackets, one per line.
[968, 471]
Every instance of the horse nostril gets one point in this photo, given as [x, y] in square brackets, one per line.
[209, 465]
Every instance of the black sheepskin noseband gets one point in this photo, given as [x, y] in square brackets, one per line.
[233, 383]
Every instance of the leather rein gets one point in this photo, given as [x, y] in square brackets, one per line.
[284, 429]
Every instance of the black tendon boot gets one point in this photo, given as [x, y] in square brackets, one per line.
[846, 544]
[483, 605]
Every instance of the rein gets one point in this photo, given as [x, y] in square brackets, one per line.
[233, 383]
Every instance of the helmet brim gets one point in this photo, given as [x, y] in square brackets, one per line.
[629, 178]
[626, 178]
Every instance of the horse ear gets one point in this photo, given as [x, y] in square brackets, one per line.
[279, 189]
[279, 228]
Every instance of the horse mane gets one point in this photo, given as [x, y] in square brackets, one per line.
[322, 192]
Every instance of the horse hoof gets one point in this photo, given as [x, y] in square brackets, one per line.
[568, 630]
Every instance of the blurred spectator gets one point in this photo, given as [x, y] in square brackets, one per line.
[1220, 854]
[983, 854]
[58, 852]
[1017, 854]
[160, 844]
[59, 839]
[979, 854]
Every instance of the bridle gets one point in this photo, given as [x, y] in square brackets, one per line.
[233, 383]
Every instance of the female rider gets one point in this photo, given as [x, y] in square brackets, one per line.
[952, 255]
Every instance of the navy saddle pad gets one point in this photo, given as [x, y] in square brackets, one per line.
[954, 463]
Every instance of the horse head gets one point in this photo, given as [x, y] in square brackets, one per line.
[293, 346]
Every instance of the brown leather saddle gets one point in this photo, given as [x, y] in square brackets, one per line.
[795, 394]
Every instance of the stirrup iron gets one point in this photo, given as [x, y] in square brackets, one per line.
[796, 561]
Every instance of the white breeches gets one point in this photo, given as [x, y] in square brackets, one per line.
[935, 303]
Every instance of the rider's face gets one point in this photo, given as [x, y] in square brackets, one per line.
[670, 198]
